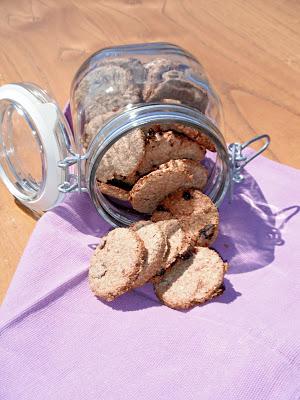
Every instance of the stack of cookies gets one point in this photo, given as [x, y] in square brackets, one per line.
[146, 165]
[110, 86]
[171, 251]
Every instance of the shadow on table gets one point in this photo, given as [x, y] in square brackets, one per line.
[250, 228]
[229, 295]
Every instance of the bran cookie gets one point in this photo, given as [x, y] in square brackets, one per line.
[156, 245]
[123, 157]
[162, 147]
[195, 134]
[116, 263]
[140, 224]
[177, 86]
[193, 280]
[196, 213]
[155, 70]
[152, 188]
[92, 128]
[178, 244]
[114, 191]
[110, 86]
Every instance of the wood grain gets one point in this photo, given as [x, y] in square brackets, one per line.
[251, 50]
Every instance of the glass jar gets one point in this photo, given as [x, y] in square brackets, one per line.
[145, 88]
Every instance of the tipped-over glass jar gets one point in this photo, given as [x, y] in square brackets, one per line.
[134, 109]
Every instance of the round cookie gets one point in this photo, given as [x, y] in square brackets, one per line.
[178, 244]
[192, 280]
[155, 70]
[92, 128]
[156, 245]
[177, 86]
[95, 105]
[116, 263]
[123, 157]
[196, 213]
[114, 191]
[152, 188]
[195, 134]
[140, 224]
[162, 147]
[110, 86]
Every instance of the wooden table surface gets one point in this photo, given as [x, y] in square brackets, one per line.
[251, 50]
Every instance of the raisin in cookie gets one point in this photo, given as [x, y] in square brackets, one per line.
[196, 213]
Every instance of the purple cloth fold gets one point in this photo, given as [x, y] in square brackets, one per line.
[57, 341]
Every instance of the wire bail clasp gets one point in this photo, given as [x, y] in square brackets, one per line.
[75, 181]
[238, 160]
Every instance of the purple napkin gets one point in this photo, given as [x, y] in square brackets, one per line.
[57, 341]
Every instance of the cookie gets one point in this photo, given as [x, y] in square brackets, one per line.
[155, 70]
[162, 147]
[177, 86]
[147, 193]
[92, 128]
[114, 191]
[178, 244]
[105, 89]
[196, 213]
[156, 245]
[116, 263]
[123, 157]
[109, 87]
[140, 224]
[195, 134]
[193, 280]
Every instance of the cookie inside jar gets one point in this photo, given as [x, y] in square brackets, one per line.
[149, 163]
[158, 93]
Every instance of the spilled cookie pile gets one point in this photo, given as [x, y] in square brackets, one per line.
[158, 170]
[168, 251]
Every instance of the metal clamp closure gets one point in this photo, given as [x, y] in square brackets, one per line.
[238, 160]
[75, 181]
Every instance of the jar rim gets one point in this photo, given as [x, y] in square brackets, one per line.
[142, 116]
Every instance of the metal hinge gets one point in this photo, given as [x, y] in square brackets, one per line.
[238, 160]
[74, 183]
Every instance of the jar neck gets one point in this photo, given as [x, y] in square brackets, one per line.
[144, 116]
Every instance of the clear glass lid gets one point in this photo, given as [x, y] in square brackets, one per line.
[34, 137]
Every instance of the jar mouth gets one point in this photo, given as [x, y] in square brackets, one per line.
[144, 116]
